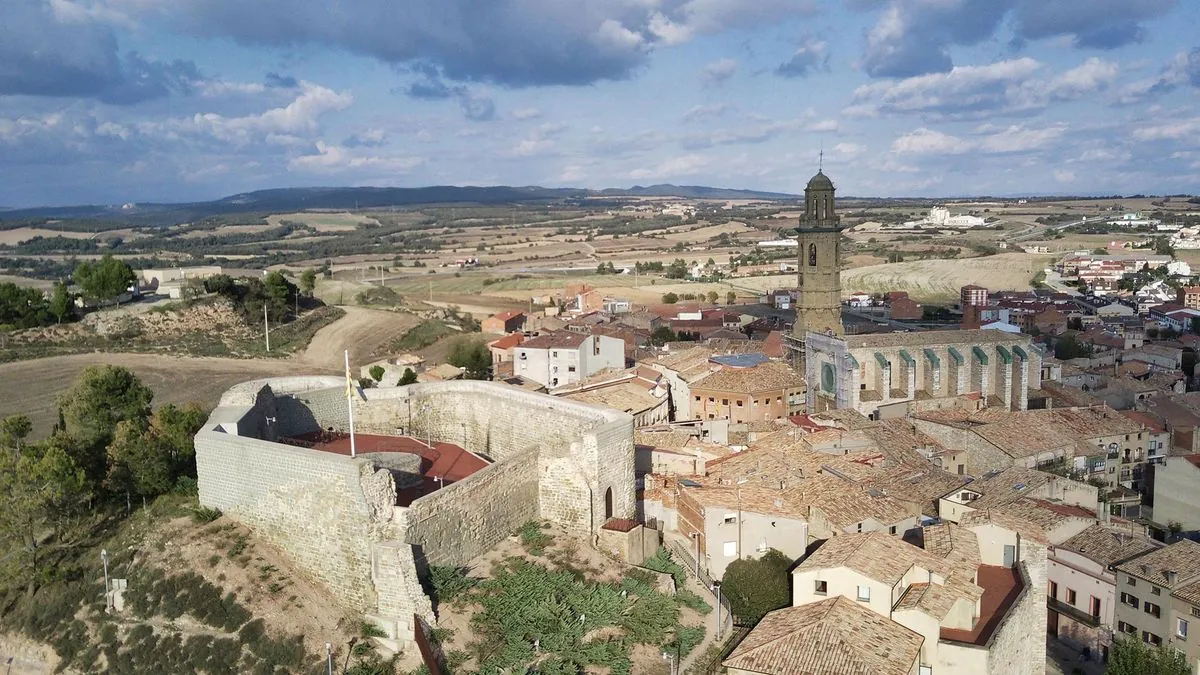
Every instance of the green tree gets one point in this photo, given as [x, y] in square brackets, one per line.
[37, 488]
[713, 296]
[670, 298]
[730, 298]
[308, 281]
[62, 302]
[678, 269]
[13, 430]
[756, 586]
[102, 397]
[1131, 656]
[221, 284]
[1070, 347]
[661, 336]
[22, 307]
[377, 372]
[409, 377]
[105, 279]
[475, 357]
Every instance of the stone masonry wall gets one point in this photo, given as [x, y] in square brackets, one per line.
[310, 503]
[463, 520]
[1019, 646]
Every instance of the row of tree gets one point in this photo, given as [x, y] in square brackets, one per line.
[108, 446]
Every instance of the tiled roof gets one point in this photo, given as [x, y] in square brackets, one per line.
[505, 316]
[627, 397]
[836, 636]
[931, 338]
[1189, 593]
[773, 345]
[1108, 545]
[1182, 557]
[556, 340]
[507, 342]
[1032, 518]
[769, 377]
[876, 555]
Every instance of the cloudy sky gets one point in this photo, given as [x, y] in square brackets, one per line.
[109, 101]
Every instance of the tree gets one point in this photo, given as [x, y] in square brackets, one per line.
[409, 377]
[1131, 656]
[101, 398]
[475, 357]
[13, 430]
[377, 372]
[661, 336]
[22, 307]
[757, 586]
[730, 298]
[221, 284]
[62, 302]
[1070, 347]
[677, 270]
[713, 296]
[37, 488]
[670, 298]
[308, 281]
[104, 280]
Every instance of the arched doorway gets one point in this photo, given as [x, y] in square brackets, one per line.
[608, 505]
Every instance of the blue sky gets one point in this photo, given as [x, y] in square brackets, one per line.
[110, 101]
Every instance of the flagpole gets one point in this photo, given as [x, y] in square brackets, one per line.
[350, 403]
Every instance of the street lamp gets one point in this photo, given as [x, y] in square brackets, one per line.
[741, 481]
[329, 657]
[667, 656]
[107, 596]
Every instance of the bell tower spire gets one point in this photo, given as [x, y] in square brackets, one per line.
[819, 306]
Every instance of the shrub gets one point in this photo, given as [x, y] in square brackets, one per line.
[377, 372]
[533, 539]
[449, 582]
[202, 514]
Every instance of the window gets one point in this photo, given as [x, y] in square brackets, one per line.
[1094, 607]
[1131, 581]
[570, 369]
[739, 404]
[730, 520]
[925, 670]
[1070, 597]
[1155, 590]
[860, 527]
[1151, 638]
[697, 399]
[1181, 626]
[1152, 609]
[1130, 600]
[821, 588]
[1052, 589]
[724, 401]
[1127, 628]
[730, 549]
[864, 593]
[555, 354]
[1196, 611]
[711, 400]
[892, 529]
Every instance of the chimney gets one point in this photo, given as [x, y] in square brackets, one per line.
[1171, 577]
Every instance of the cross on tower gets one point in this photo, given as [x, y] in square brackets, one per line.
[821, 158]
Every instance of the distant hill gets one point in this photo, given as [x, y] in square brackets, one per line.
[299, 199]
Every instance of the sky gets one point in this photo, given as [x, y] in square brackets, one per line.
[115, 101]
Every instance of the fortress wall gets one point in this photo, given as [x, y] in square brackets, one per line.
[466, 519]
[310, 503]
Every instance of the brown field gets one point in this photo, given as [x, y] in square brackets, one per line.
[22, 234]
[26, 281]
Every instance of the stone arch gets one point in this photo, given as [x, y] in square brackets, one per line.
[608, 504]
[812, 255]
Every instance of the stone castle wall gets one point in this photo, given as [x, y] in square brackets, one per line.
[1012, 650]
[553, 459]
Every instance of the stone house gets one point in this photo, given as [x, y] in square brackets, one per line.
[557, 359]
[502, 349]
[1152, 589]
[503, 323]
[768, 390]
[1081, 594]
[682, 369]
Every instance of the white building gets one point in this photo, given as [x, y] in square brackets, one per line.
[556, 359]
[939, 216]
[1179, 268]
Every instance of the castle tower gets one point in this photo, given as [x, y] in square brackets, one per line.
[819, 307]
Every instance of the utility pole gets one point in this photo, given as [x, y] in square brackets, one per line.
[717, 587]
[266, 327]
[107, 595]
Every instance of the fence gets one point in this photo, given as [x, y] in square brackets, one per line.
[709, 663]
[686, 559]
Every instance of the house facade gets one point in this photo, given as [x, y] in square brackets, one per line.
[557, 359]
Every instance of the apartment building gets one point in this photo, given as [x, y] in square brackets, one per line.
[1155, 594]
[1081, 594]
[562, 358]
[747, 388]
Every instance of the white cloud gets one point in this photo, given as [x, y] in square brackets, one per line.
[685, 165]
[847, 150]
[298, 117]
[1019, 138]
[701, 112]
[1064, 176]
[926, 141]
[526, 113]
[718, 72]
[334, 159]
[1187, 129]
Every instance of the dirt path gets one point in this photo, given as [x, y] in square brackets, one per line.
[361, 331]
[32, 387]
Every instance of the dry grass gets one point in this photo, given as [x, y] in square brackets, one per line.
[21, 234]
[324, 222]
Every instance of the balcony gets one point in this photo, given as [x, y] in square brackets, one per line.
[1074, 613]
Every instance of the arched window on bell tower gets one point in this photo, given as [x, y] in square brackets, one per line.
[812, 255]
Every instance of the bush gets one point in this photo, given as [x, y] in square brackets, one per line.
[377, 372]
[449, 582]
[533, 539]
[202, 514]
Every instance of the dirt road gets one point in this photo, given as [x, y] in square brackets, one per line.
[32, 387]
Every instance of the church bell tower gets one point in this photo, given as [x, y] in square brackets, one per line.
[819, 306]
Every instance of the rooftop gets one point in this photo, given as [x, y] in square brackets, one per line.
[933, 338]
[875, 555]
[556, 340]
[769, 376]
[835, 636]
[1108, 545]
[1182, 558]
[748, 360]
[1001, 588]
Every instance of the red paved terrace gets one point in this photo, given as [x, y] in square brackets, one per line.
[1001, 588]
[441, 463]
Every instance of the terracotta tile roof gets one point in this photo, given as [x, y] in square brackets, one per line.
[505, 316]
[556, 340]
[507, 342]
[1032, 518]
[769, 377]
[773, 345]
[1108, 545]
[836, 636]
[1189, 593]
[1182, 558]
[931, 338]
[626, 396]
[876, 555]
[1145, 419]
[1068, 396]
